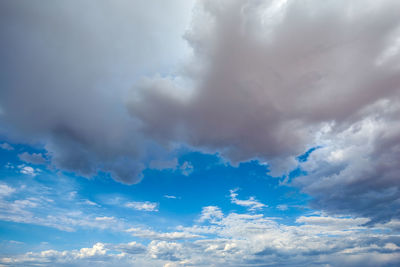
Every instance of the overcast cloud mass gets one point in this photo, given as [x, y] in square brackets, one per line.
[120, 88]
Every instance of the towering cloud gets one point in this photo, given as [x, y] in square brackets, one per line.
[263, 79]
[270, 79]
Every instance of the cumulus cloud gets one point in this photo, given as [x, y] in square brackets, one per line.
[271, 79]
[28, 170]
[357, 171]
[65, 71]
[210, 213]
[264, 80]
[242, 240]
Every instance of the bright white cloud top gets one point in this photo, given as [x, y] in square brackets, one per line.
[123, 91]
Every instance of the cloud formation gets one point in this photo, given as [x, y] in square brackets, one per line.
[264, 80]
[271, 79]
[240, 240]
[65, 71]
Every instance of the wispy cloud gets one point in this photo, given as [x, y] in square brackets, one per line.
[144, 206]
[6, 146]
[34, 158]
[251, 203]
[167, 236]
[238, 240]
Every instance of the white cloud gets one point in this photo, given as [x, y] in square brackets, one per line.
[168, 236]
[241, 240]
[145, 206]
[6, 190]
[211, 214]
[170, 196]
[105, 218]
[28, 170]
[91, 203]
[251, 203]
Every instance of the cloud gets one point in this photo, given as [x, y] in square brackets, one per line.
[269, 80]
[169, 236]
[169, 251]
[251, 203]
[105, 218]
[6, 146]
[282, 207]
[34, 158]
[28, 170]
[242, 240]
[89, 55]
[170, 197]
[130, 248]
[38, 205]
[186, 168]
[6, 190]
[145, 206]
[265, 80]
[164, 164]
[356, 171]
[211, 213]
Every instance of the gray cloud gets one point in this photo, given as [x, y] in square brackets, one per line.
[6, 146]
[265, 80]
[65, 70]
[264, 86]
[270, 79]
[34, 158]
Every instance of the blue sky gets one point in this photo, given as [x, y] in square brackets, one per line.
[199, 133]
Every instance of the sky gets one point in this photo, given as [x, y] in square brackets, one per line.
[199, 133]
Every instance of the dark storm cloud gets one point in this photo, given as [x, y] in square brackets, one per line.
[65, 67]
[271, 79]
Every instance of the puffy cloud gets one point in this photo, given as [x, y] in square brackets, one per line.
[130, 248]
[264, 79]
[28, 170]
[271, 79]
[65, 71]
[163, 250]
[357, 170]
[244, 240]
[211, 214]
